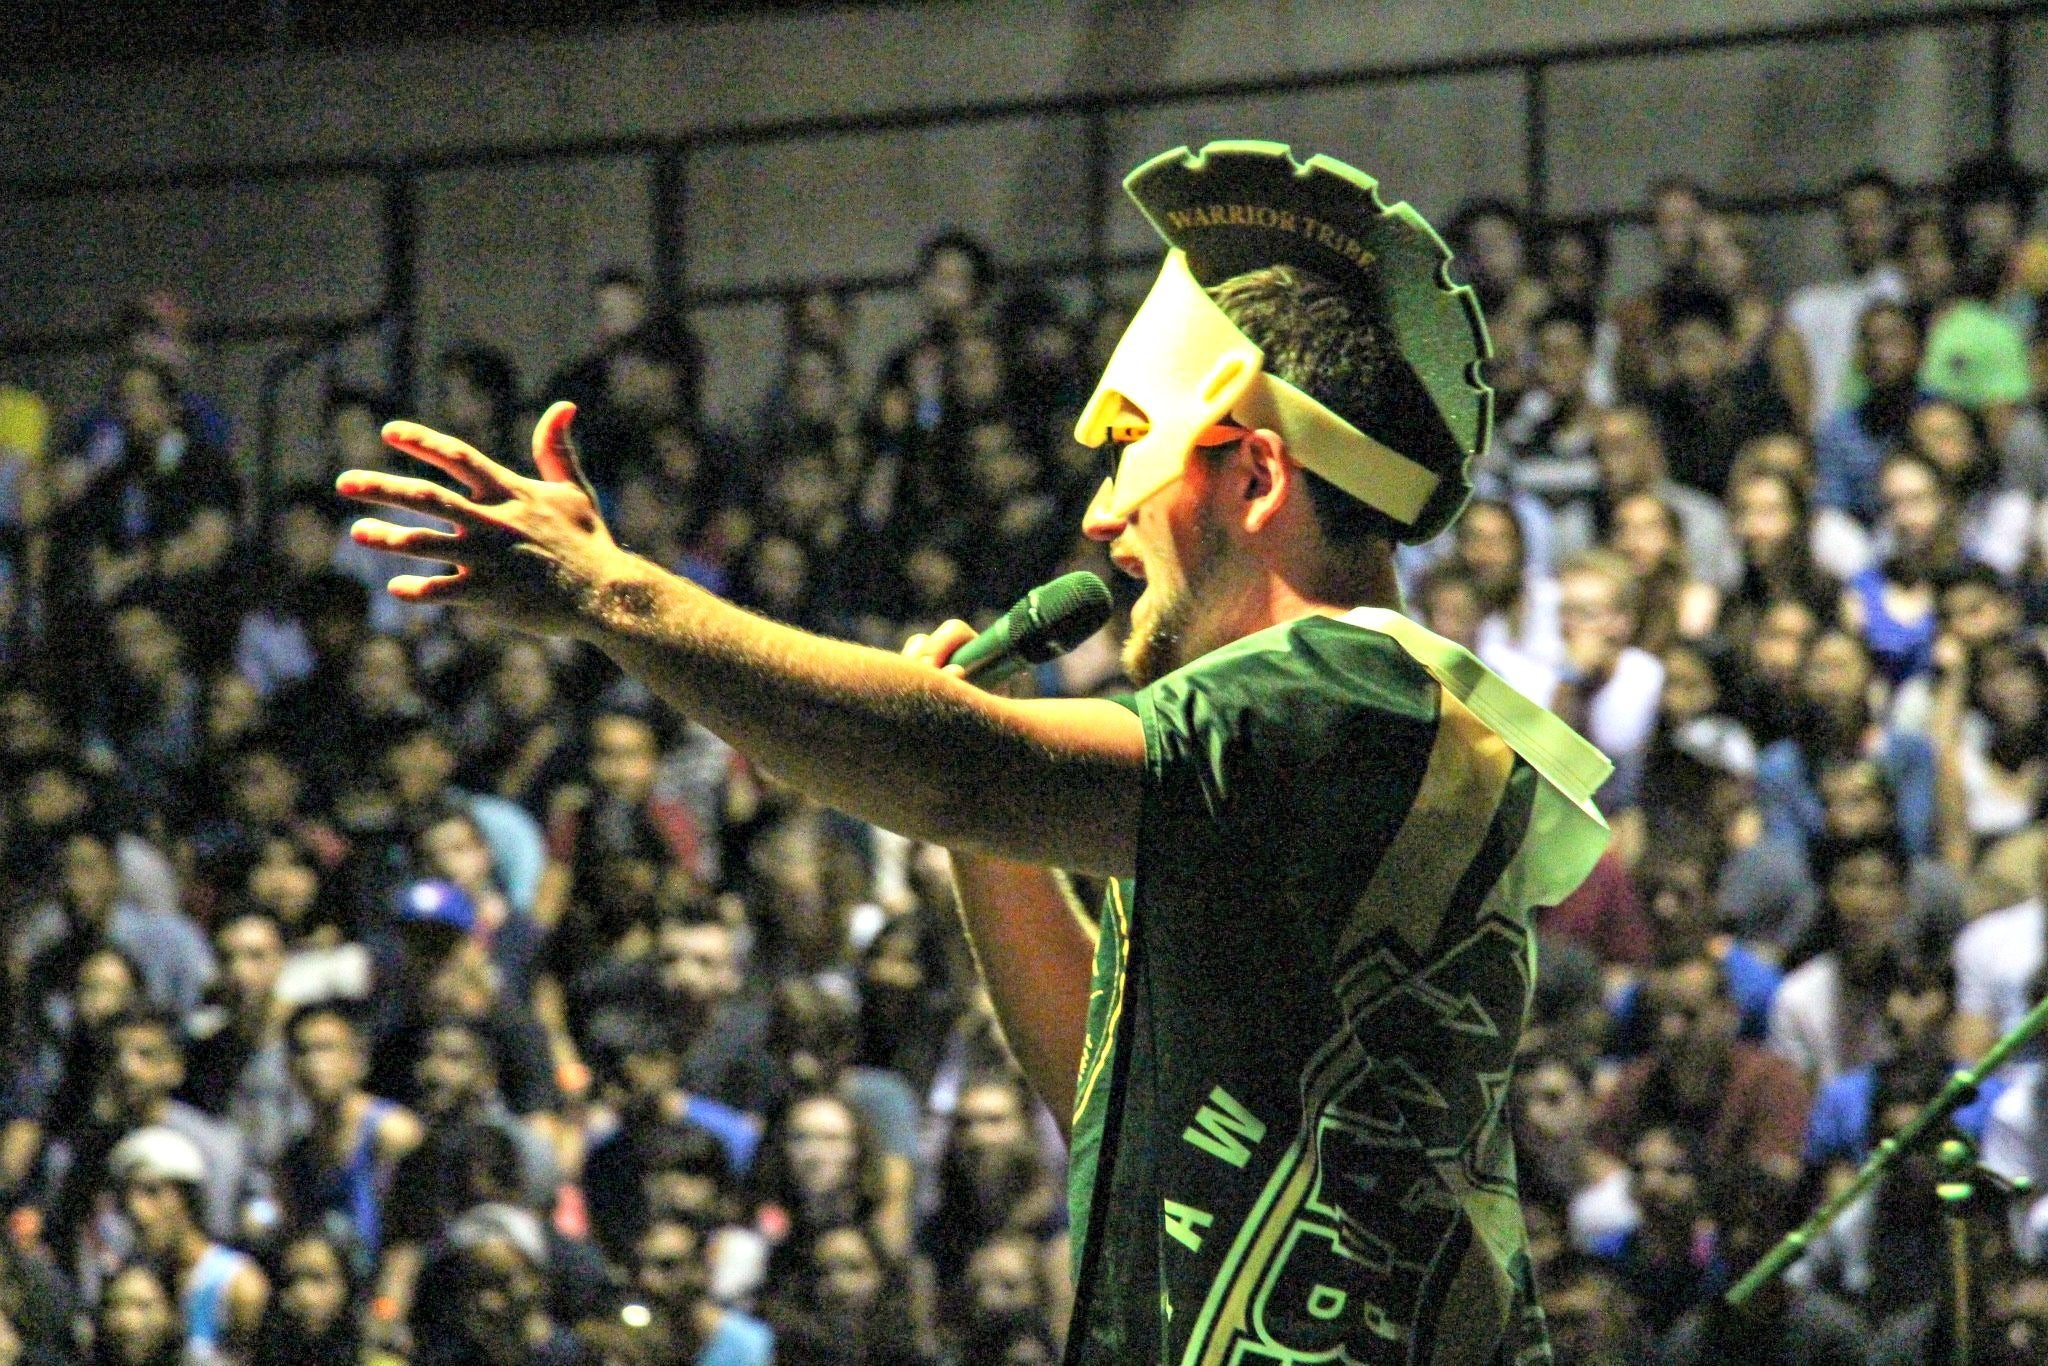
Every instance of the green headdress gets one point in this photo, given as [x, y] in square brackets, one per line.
[1240, 206]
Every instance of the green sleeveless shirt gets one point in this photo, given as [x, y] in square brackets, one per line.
[1291, 1136]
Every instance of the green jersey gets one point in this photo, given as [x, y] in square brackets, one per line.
[1291, 1138]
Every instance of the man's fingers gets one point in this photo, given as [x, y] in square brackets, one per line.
[427, 587]
[404, 491]
[947, 639]
[554, 449]
[477, 472]
[424, 542]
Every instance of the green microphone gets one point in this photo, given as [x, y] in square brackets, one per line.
[1046, 622]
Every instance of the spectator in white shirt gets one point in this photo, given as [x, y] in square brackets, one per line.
[1611, 688]
[1997, 956]
[1825, 315]
[1828, 1017]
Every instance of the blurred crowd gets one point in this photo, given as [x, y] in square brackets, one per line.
[381, 986]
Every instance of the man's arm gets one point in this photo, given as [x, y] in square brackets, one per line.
[878, 736]
[1036, 957]
[1029, 942]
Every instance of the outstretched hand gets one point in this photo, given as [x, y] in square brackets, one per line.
[530, 551]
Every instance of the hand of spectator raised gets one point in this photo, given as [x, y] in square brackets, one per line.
[531, 552]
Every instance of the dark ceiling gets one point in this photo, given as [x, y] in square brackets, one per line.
[126, 31]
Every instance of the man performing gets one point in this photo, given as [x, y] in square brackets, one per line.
[1286, 1052]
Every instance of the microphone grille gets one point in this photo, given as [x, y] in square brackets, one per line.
[1070, 609]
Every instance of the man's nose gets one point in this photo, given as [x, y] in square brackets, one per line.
[1097, 524]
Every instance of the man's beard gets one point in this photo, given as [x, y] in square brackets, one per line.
[1162, 646]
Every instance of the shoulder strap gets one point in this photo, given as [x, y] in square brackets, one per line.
[1572, 831]
[1566, 759]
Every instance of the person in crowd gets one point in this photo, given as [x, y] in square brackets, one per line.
[1593, 1319]
[1699, 766]
[1727, 266]
[1838, 718]
[1851, 442]
[1677, 895]
[1611, 687]
[89, 910]
[812, 1033]
[1974, 354]
[1892, 603]
[1666, 1259]
[1556, 1159]
[159, 1174]
[694, 976]
[619, 305]
[476, 391]
[1780, 1325]
[909, 996]
[236, 1063]
[1645, 532]
[672, 1278]
[639, 1055]
[841, 1299]
[1714, 402]
[137, 1322]
[500, 1316]
[819, 1165]
[318, 1314]
[1448, 602]
[992, 1181]
[61, 1061]
[435, 971]
[622, 805]
[1572, 261]
[145, 1067]
[516, 732]
[1631, 453]
[1746, 1104]
[1996, 958]
[1518, 599]
[1489, 240]
[1677, 204]
[1990, 730]
[1826, 314]
[344, 1162]
[1772, 522]
[1993, 517]
[1919, 1016]
[1828, 1017]
[449, 844]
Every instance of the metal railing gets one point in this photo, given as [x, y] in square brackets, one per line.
[669, 159]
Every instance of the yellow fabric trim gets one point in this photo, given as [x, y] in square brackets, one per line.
[1092, 1065]
[1234, 1316]
[1572, 836]
[1182, 365]
[1375, 475]
[1469, 767]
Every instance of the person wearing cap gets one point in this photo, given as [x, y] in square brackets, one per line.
[1285, 1052]
[159, 1173]
[442, 971]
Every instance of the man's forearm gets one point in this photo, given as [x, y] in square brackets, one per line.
[1037, 960]
[881, 737]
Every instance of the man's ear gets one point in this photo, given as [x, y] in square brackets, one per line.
[1269, 477]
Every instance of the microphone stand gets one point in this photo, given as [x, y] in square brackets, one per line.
[1958, 1184]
